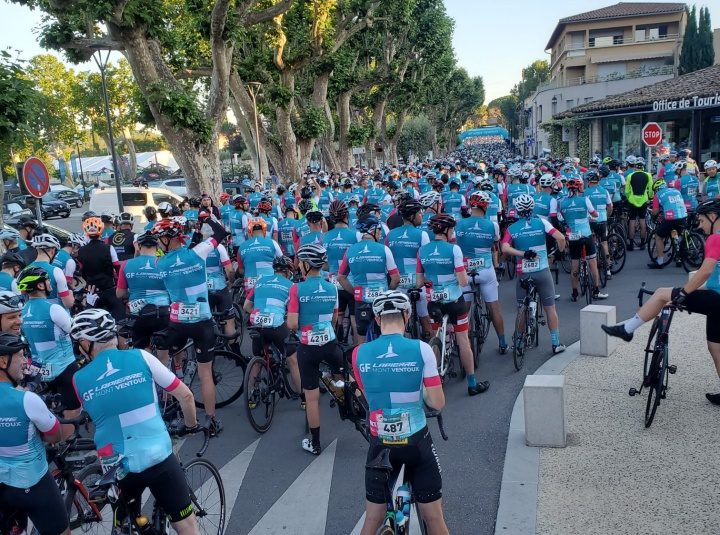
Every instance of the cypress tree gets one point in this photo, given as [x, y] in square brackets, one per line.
[706, 52]
[689, 53]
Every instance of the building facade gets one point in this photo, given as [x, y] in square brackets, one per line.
[604, 52]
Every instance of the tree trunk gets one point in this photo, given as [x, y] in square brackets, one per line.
[393, 141]
[2, 193]
[377, 119]
[345, 157]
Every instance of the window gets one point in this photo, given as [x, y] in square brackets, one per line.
[539, 116]
[570, 103]
[554, 106]
[162, 197]
[588, 99]
[134, 199]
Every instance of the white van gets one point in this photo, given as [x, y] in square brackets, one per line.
[134, 200]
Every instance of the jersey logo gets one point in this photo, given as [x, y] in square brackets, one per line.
[178, 262]
[337, 238]
[389, 353]
[476, 227]
[146, 266]
[118, 238]
[365, 250]
[320, 289]
[435, 252]
[111, 370]
[404, 236]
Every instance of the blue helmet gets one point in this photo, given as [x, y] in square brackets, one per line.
[367, 224]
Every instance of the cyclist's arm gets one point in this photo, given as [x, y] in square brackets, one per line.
[460, 272]
[343, 272]
[419, 273]
[121, 290]
[248, 305]
[609, 204]
[655, 205]
[712, 255]
[558, 236]
[392, 269]
[226, 263]
[507, 248]
[64, 293]
[432, 392]
[42, 418]
[590, 208]
[173, 386]
[293, 309]
[60, 317]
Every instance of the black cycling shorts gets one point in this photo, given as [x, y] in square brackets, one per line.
[665, 227]
[600, 230]
[310, 358]
[457, 314]
[167, 484]
[42, 503]
[636, 212]
[346, 300]
[63, 385]
[363, 316]
[221, 302]
[575, 247]
[145, 325]
[706, 302]
[108, 300]
[272, 335]
[202, 334]
[422, 468]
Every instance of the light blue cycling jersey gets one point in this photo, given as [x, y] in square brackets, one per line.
[476, 236]
[712, 187]
[336, 242]
[669, 173]
[61, 259]
[314, 300]
[440, 262]
[191, 214]
[671, 204]
[689, 188]
[254, 199]
[215, 268]
[271, 222]
[149, 225]
[312, 236]
[529, 234]
[142, 279]
[344, 196]
[612, 187]
[58, 282]
[600, 198]
[288, 199]
[493, 209]
[576, 211]
[385, 211]
[117, 389]
[285, 235]
[226, 211]
[7, 282]
[352, 216]
[404, 243]
[324, 200]
[238, 222]
[375, 195]
[392, 371]
[270, 298]
[513, 192]
[46, 328]
[108, 231]
[369, 263]
[23, 415]
[183, 271]
[543, 202]
[255, 258]
[453, 201]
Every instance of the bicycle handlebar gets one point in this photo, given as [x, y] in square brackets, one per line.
[432, 413]
[642, 292]
[181, 430]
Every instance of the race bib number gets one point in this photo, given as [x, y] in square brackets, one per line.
[407, 281]
[136, 305]
[372, 293]
[211, 284]
[692, 191]
[530, 265]
[318, 338]
[250, 282]
[264, 320]
[573, 236]
[286, 236]
[46, 371]
[393, 428]
[476, 263]
[187, 312]
[440, 295]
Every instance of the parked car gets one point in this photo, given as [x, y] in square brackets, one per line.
[177, 185]
[134, 200]
[12, 211]
[50, 205]
[70, 197]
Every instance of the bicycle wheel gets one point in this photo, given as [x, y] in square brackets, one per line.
[649, 350]
[260, 394]
[668, 251]
[693, 251]
[511, 269]
[88, 515]
[228, 376]
[566, 263]
[617, 251]
[360, 409]
[519, 338]
[436, 345]
[479, 331]
[207, 494]
[658, 382]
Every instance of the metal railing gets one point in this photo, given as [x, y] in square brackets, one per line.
[665, 70]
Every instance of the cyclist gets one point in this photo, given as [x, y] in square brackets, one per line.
[47, 247]
[638, 192]
[692, 296]
[11, 305]
[191, 214]
[264, 208]
[453, 200]
[26, 484]
[117, 389]
[476, 236]
[518, 186]
[26, 227]
[525, 239]
[12, 264]
[576, 210]
[256, 254]
[286, 229]
[185, 277]
[602, 201]
[323, 196]
[11, 240]
[368, 264]
[687, 184]
[317, 226]
[431, 201]
[266, 305]
[108, 220]
[46, 327]
[441, 270]
[712, 180]
[312, 312]
[140, 282]
[396, 395]
[219, 269]
[669, 206]
[226, 208]
[65, 258]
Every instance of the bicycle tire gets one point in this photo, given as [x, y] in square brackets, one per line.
[436, 345]
[566, 263]
[658, 373]
[229, 377]
[649, 350]
[602, 266]
[519, 340]
[260, 390]
[618, 252]
[208, 523]
[693, 251]
[668, 250]
[478, 338]
[82, 514]
[360, 410]
[511, 269]
[386, 530]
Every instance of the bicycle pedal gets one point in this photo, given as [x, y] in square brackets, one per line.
[672, 369]
[633, 392]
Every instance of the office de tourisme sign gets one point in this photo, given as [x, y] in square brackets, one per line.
[686, 103]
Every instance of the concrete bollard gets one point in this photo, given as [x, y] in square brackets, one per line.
[593, 340]
[545, 419]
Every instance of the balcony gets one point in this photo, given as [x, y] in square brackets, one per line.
[665, 70]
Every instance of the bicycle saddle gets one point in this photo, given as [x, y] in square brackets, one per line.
[108, 477]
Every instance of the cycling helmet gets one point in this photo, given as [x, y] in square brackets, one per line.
[592, 176]
[224, 196]
[367, 224]
[430, 198]
[524, 204]
[9, 235]
[710, 164]
[45, 241]
[10, 302]
[639, 161]
[306, 192]
[87, 215]
[194, 202]
[354, 199]
[409, 208]
[604, 171]
[168, 228]
[282, 263]
[528, 167]
[293, 188]
[30, 277]
[93, 226]
[10, 344]
[265, 205]
[391, 302]
[107, 217]
[438, 186]
[441, 223]
[631, 160]
[574, 184]
[659, 183]
[26, 222]
[257, 223]
[77, 239]
[126, 218]
[479, 199]
[486, 185]
[546, 180]
[557, 186]
[680, 165]
[711, 206]
[305, 205]
[314, 216]
[165, 209]
[515, 171]
[93, 324]
[147, 239]
[239, 201]
[400, 196]
[338, 210]
[367, 209]
[15, 259]
[313, 254]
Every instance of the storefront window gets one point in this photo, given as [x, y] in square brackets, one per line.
[621, 136]
[676, 127]
[709, 135]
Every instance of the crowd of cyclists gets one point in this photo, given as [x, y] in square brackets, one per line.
[307, 257]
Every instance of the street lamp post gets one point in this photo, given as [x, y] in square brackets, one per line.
[82, 175]
[254, 89]
[102, 65]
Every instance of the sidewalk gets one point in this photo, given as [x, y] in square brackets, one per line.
[615, 476]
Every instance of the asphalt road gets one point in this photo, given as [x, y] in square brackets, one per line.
[271, 486]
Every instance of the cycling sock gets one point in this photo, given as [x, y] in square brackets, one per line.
[471, 381]
[660, 260]
[555, 337]
[315, 433]
[501, 339]
[633, 324]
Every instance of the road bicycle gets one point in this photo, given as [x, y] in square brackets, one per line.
[686, 247]
[443, 343]
[399, 498]
[349, 400]
[617, 252]
[479, 318]
[414, 327]
[529, 318]
[267, 377]
[656, 368]
[584, 277]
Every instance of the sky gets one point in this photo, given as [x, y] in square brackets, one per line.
[491, 40]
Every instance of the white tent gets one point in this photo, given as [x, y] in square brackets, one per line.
[103, 164]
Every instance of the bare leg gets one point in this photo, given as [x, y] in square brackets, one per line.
[187, 526]
[654, 305]
[294, 371]
[495, 312]
[714, 349]
[374, 515]
[432, 514]
[592, 262]
[552, 318]
[643, 229]
[207, 386]
[574, 274]
[466, 354]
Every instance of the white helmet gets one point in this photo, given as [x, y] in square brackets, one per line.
[10, 302]
[77, 239]
[165, 208]
[391, 302]
[93, 324]
[9, 235]
[429, 198]
[524, 204]
[680, 165]
[631, 160]
[546, 180]
[45, 241]
[710, 164]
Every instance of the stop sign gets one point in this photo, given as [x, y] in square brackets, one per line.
[651, 134]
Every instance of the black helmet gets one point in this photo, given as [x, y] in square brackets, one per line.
[147, 239]
[604, 171]
[367, 209]
[338, 210]
[25, 222]
[409, 208]
[194, 202]
[13, 258]
[10, 344]
[306, 192]
[304, 206]
[282, 263]
[314, 216]
[441, 223]
[709, 207]
[30, 277]
[313, 254]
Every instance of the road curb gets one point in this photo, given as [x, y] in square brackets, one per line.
[517, 507]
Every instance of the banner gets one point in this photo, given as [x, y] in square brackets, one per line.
[61, 169]
[74, 166]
